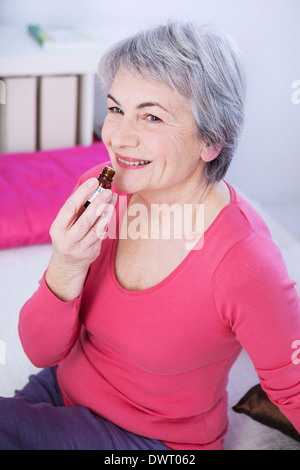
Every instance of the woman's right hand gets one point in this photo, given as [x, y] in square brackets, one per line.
[77, 234]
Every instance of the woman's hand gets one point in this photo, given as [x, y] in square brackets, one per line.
[77, 234]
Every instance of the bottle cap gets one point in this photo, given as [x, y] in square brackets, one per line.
[109, 172]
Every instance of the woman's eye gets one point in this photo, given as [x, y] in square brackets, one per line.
[152, 118]
[115, 110]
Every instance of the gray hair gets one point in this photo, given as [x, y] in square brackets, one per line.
[198, 62]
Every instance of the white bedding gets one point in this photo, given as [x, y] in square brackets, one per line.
[20, 270]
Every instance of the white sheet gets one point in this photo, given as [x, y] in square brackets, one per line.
[20, 271]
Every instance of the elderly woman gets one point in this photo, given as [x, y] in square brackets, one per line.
[136, 333]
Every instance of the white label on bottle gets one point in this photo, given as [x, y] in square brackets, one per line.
[95, 194]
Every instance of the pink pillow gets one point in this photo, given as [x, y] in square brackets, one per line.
[34, 186]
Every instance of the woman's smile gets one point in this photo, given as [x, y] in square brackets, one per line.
[131, 163]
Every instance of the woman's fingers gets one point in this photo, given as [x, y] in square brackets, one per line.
[77, 232]
[73, 205]
[77, 235]
[76, 221]
[89, 216]
[104, 213]
[105, 216]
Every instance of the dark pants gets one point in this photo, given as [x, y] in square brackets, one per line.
[36, 419]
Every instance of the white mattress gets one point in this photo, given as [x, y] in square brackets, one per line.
[20, 270]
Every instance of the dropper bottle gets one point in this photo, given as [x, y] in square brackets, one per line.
[105, 180]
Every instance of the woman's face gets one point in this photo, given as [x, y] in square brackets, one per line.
[150, 136]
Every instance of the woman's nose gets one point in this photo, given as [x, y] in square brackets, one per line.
[125, 134]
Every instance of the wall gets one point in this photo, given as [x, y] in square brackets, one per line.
[267, 163]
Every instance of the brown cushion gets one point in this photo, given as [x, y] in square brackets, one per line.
[259, 407]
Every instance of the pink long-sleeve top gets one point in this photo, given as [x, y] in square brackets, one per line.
[156, 361]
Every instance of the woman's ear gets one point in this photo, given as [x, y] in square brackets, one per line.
[210, 152]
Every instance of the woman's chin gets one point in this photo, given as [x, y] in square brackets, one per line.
[124, 186]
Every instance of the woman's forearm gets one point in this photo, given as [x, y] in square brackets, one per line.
[48, 327]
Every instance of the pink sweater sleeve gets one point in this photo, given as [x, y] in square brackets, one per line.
[48, 327]
[256, 298]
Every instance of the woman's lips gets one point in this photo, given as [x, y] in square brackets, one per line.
[131, 163]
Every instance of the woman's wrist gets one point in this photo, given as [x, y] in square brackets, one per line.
[65, 282]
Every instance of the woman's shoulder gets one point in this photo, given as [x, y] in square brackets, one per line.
[247, 244]
[248, 212]
[251, 254]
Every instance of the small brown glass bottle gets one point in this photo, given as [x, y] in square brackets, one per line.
[105, 179]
